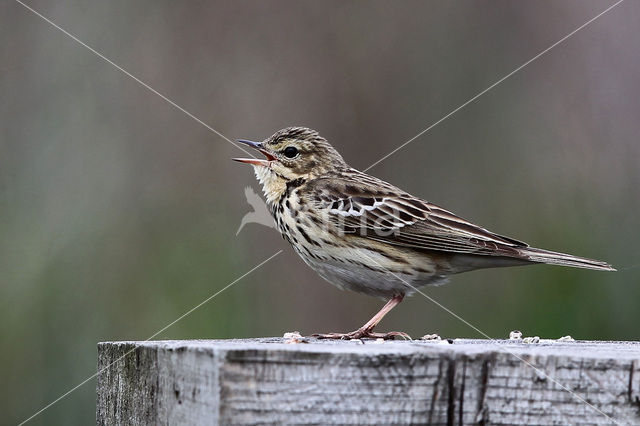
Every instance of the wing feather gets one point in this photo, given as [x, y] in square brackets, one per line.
[380, 212]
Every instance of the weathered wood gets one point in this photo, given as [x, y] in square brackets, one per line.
[320, 382]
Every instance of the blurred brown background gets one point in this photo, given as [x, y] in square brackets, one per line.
[118, 212]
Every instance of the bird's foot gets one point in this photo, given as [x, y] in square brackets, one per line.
[363, 334]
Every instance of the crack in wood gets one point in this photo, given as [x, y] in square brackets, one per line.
[481, 415]
[436, 388]
[462, 384]
[451, 404]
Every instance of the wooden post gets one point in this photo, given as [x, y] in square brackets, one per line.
[455, 382]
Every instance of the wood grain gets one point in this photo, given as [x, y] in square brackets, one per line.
[464, 382]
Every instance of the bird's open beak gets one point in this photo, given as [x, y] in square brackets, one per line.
[256, 161]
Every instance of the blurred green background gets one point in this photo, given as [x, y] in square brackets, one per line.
[118, 213]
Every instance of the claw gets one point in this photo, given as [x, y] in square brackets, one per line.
[362, 334]
[366, 331]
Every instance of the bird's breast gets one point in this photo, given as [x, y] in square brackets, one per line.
[348, 261]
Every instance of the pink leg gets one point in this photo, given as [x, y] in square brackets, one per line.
[367, 329]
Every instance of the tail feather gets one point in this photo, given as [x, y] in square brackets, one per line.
[562, 259]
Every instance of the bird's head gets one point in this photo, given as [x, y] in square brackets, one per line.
[291, 154]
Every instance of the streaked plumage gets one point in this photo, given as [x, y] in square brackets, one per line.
[363, 234]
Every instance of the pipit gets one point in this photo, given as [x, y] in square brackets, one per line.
[363, 234]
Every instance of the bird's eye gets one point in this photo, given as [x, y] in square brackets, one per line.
[290, 151]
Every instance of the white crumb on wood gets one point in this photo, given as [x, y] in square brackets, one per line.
[431, 337]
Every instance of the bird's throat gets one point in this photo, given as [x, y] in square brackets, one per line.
[274, 186]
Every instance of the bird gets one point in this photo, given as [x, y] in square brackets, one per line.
[366, 235]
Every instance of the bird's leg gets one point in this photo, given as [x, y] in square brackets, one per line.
[370, 325]
[367, 329]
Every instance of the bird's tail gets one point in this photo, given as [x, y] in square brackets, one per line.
[555, 258]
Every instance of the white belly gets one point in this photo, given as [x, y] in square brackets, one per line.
[373, 277]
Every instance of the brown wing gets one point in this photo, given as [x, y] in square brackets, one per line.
[376, 210]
